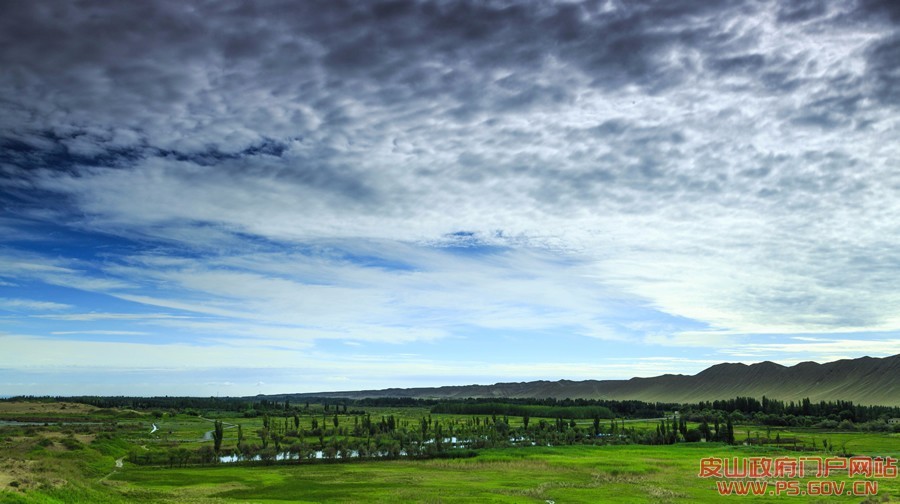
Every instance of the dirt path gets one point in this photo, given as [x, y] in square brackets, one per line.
[120, 463]
[225, 425]
[208, 435]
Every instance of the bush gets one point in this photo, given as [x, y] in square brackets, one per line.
[693, 436]
[71, 443]
[846, 425]
[207, 455]
[875, 426]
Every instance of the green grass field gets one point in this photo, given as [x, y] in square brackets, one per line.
[628, 473]
[71, 463]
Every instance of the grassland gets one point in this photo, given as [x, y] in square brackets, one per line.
[64, 462]
[626, 474]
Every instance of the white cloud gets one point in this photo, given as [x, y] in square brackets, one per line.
[407, 292]
[101, 333]
[31, 305]
[67, 356]
[65, 273]
[696, 177]
[94, 316]
[821, 349]
[54, 352]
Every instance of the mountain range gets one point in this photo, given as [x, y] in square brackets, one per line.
[865, 380]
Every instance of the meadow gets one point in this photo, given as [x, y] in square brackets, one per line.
[66, 452]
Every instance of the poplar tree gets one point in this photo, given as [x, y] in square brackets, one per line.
[218, 434]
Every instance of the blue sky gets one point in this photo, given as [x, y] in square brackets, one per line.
[267, 197]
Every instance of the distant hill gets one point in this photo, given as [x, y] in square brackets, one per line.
[865, 380]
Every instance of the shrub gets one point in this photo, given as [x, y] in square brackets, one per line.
[875, 426]
[846, 425]
[71, 443]
[692, 436]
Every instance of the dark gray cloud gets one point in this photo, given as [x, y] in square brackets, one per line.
[214, 77]
[669, 126]
[882, 64]
[87, 63]
[801, 11]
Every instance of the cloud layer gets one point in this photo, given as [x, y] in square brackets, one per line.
[684, 173]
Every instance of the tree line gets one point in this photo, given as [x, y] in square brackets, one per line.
[765, 411]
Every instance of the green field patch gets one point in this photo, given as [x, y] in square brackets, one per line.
[123, 461]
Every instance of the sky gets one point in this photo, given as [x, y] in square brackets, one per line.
[233, 198]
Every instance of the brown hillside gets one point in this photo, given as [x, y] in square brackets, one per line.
[865, 380]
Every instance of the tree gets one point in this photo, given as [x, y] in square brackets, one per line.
[268, 455]
[704, 430]
[207, 455]
[218, 434]
[438, 437]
